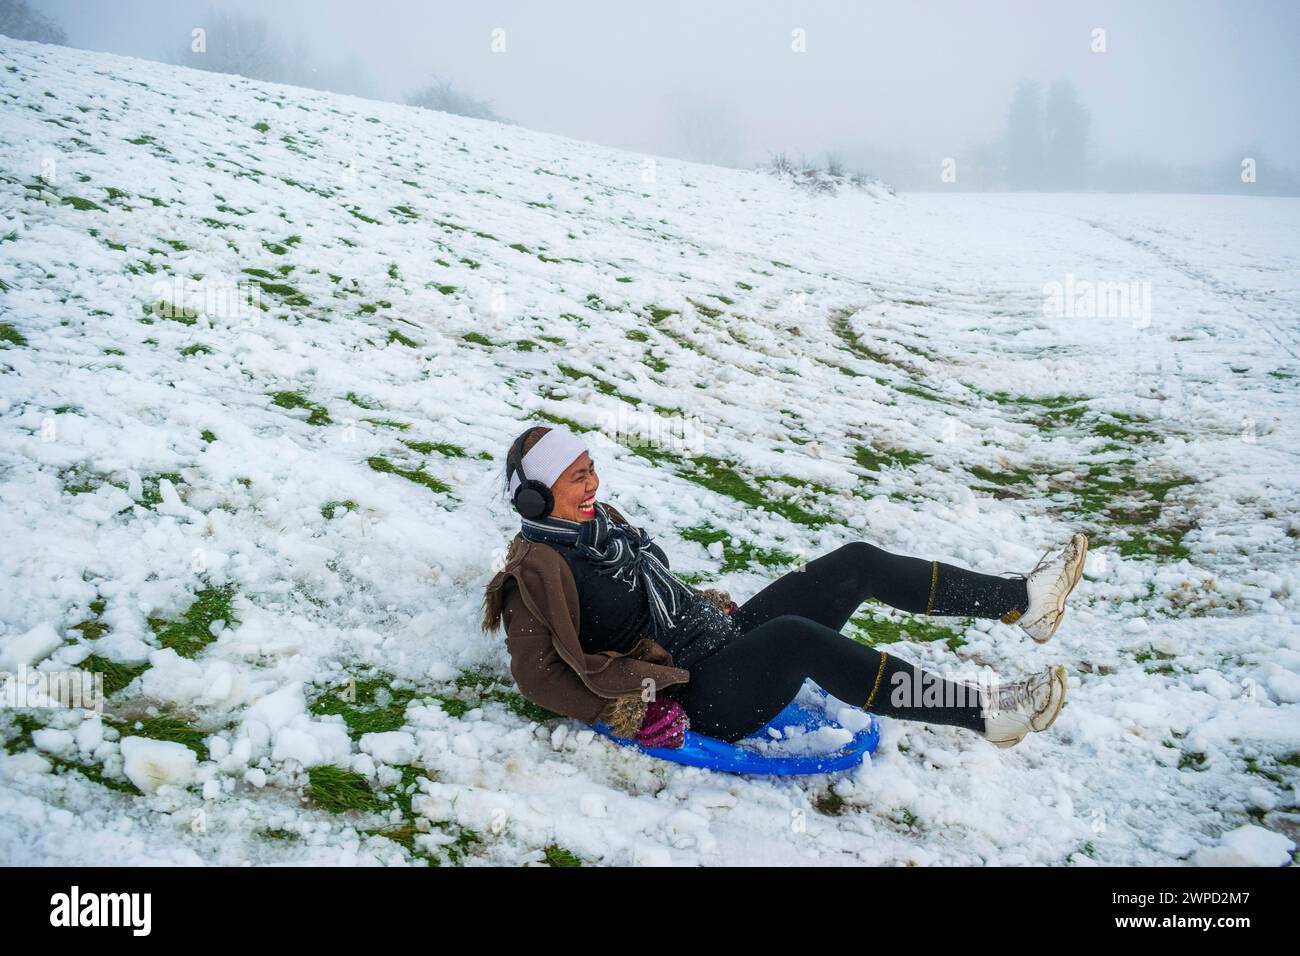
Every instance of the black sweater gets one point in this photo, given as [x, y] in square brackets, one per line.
[614, 615]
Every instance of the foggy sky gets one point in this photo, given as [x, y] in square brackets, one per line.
[1180, 82]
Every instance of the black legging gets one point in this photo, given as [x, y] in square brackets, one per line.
[790, 631]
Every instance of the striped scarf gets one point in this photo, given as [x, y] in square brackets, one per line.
[620, 551]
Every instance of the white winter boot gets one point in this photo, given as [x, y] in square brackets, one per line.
[1049, 584]
[1014, 710]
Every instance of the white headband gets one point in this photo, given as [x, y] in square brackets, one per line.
[549, 458]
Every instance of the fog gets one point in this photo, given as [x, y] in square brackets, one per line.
[1165, 94]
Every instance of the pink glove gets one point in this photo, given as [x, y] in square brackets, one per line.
[664, 725]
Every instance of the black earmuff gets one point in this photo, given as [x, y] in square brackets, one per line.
[533, 500]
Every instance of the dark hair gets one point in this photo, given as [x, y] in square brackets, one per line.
[493, 598]
[522, 446]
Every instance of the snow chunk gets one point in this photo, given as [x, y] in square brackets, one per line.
[101, 505]
[1249, 845]
[150, 764]
[312, 743]
[391, 747]
[24, 650]
[53, 741]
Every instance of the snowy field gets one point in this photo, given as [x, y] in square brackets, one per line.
[268, 526]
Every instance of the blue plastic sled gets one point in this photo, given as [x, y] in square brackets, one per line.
[713, 754]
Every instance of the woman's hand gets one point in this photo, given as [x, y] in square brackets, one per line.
[664, 725]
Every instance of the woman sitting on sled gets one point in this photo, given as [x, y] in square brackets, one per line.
[600, 630]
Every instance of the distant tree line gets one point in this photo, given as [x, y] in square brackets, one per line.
[1046, 145]
[21, 22]
[248, 46]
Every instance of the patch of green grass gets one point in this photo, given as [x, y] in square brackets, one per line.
[196, 348]
[261, 126]
[208, 436]
[383, 465]
[569, 423]
[287, 293]
[906, 817]
[342, 791]
[605, 388]
[356, 211]
[441, 447]
[1129, 511]
[361, 402]
[876, 627]
[704, 310]
[175, 313]
[116, 674]
[387, 423]
[464, 841]
[718, 476]
[163, 727]
[368, 705]
[332, 508]
[286, 399]
[1053, 411]
[400, 339]
[873, 459]
[192, 632]
[1124, 429]
[10, 335]
[151, 488]
[650, 451]
[400, 793]
[477, 338]
[852, 342]
[654, 363]
[17, 730]
[1002, 476]
[472, 688]
[557, 855]
[829, 803]
[77, 481]
[92, 629]
[1191, 760]
[82, 205]
[924, 393]
[741, 556]
[92, 772]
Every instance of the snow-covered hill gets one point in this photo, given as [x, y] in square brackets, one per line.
[268, 525]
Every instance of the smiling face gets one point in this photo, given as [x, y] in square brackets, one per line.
[575, 491]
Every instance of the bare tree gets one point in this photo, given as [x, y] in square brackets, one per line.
[703, 130]
[21, 22]
[443, 95]
[1024, 137]
[234, 43]
[780, 163]
[1065, 137]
